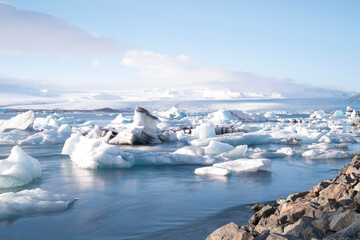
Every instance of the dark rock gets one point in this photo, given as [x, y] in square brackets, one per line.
[265, 212]
[257, 207]
[293, 197]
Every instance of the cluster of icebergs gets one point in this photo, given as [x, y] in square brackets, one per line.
[224, 142]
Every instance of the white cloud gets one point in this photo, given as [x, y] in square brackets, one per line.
[30, 32]
[165, 71]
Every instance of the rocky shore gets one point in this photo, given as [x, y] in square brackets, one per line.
[330, 210]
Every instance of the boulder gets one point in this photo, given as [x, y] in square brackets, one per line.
[265, 212]
[350, 232]
[343, 219]
[226, 232]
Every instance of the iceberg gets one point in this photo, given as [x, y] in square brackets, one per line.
[238, 152]
[121, 119]
[33, 201]
[173, 113]
[23, 121]
[93, 153]
[205, 130]
[318, 154]
[212, 171]
[216, 148]
[51, 136]
[18, 169]
[240, 165]
[190, 150]
[338, 114]
[230, 116]
[143, 130]
[286, 150]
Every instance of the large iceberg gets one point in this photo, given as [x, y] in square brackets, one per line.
[23, 121]
[18, 169]
[32, 201]
[93, 153]
[143, 130]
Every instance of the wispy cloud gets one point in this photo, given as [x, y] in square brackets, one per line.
[177, 71]
[30, 32]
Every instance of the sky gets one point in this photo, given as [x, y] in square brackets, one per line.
[113, 44]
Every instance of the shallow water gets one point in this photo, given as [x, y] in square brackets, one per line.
[158, 202]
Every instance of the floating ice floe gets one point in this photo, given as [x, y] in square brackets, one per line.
[96, 153]
[229, 116]
[121, 119]
[318, 114]
[326, 146]
[13, 136]
[286, 150]
[32, 202]
[338, 114]
[238, 152]
[318, 154]
[93, 153]
[190, 150]
[18, 169]
[267, 154]
[143, 130]
[23, 121]
[173, 113]
[205, 130]
[240, 165]
[216, 148]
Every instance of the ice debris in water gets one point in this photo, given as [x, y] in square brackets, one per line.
[240, 165]
[33, 201]
[215, 148]
[318, 154]
[18, 169]
[205, 130]
[318, 114]
[338, 114]
[238, 152]
[143, 130]
[286, 150]
[121, 119]
[93, 153]
[23, 121]
[190, 150]
[173, 113]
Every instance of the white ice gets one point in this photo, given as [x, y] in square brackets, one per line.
[240, 165]
[190, 150]
[121, 119]
[338, 114]
[33, 201]
[238, 152]
[93, 153]
[18, 169]
[215, 148]
[23, 121]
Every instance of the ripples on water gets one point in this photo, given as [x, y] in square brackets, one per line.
[157, 202]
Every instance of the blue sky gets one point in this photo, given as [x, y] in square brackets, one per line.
[127, 44]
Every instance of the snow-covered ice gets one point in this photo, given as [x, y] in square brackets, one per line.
[33, 201]
[93, 153]
[18, 169]
[23, 121]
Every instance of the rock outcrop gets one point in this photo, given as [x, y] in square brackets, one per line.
[330, 210]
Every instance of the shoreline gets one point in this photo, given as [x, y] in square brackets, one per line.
[329, 210]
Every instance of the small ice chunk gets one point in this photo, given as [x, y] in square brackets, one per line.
[212, 171]
[190, 150]
[93, 153]
[245, 165]
[215, 148]
[18, 169]
[64, 129]
[205, 130]
[238, 152]
[222, 116]
[33, 201]
[286, 150]
[121, 119]
[327, 146]
[23, 121]
[95, 133]
[338, 114]
[51, 136]
[318, 114]
[328, 154]
[173, 113]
